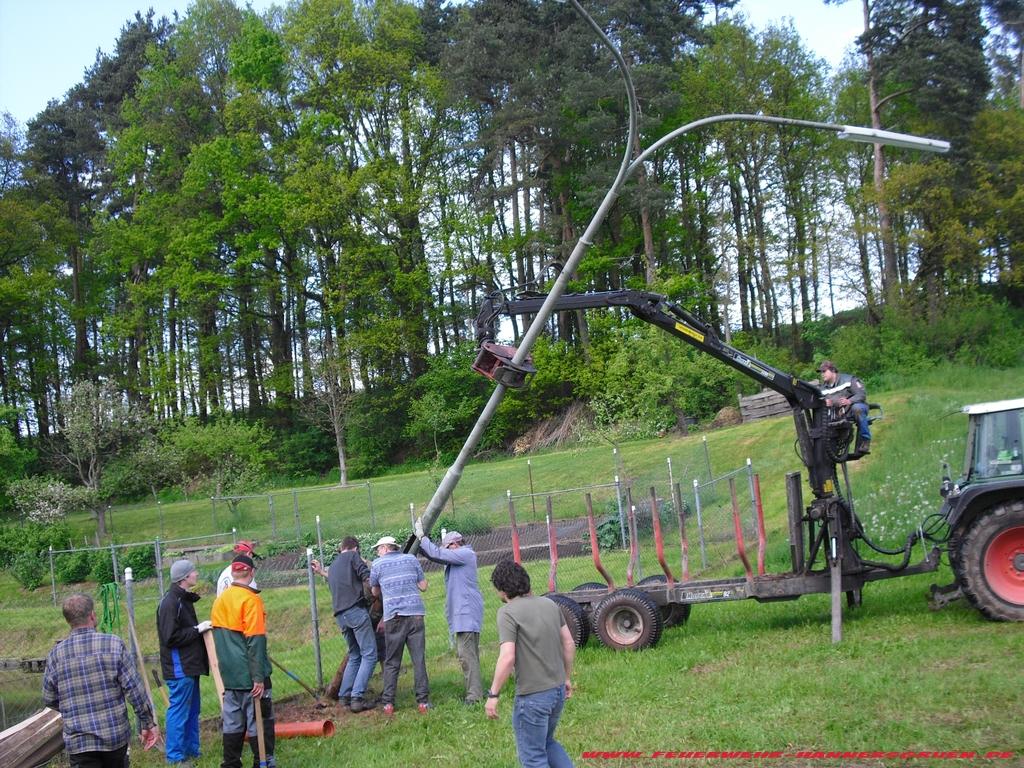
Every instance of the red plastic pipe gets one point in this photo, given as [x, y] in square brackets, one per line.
[318, 728]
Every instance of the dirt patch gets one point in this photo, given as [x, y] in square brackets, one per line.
[294, 709]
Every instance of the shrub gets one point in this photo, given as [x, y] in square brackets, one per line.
[28, 569]
[102, 567]
[72, 567]
[468, 524]
[142, 561]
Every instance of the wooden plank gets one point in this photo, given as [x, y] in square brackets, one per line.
[33, 741]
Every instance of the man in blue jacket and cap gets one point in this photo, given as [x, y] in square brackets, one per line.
[464, 605]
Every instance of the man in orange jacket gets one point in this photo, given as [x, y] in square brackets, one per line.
[240, 634]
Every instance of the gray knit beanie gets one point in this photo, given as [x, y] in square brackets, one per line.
[180, 569]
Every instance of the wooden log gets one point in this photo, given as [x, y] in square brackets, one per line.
[33, 741]
[211, 653]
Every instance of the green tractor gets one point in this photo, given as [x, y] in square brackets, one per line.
[984, 510]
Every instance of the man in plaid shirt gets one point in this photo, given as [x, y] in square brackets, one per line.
[89, 677]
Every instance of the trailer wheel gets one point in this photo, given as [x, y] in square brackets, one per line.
[991, 562]
[627, 620]
[575, 617]
[672, 614]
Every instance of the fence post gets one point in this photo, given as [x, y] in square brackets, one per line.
[314, 612]
[533, 499]
[700, 523]
[671, 480]
[707, 459]
[319, 539]
[113, 559]
[159, 565]
[273, 516]
[753, 498]
[369, 498]
[213, 513]
[295, 511]
[129, 599]
[622, 519]
[160, 509]
[53, 579]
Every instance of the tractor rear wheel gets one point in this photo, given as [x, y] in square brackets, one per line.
[673, 613]
[627, 620]
[991, 562]
[575, 617]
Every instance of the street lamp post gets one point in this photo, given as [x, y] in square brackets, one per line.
[626, 169]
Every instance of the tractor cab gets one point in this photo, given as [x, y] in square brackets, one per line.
[994, 440]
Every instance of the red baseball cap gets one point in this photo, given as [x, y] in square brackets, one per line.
[246, 547]
[242, 562]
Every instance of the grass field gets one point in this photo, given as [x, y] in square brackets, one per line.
[738, 677]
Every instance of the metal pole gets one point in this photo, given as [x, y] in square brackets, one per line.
[113, 559]
[707, 459]
[129, 598]
[753, 498]
[700, 524]
[454, 473]
[53, 579]
[159, 565]
[213, 513]
[319, 539]
[369, 498]
[316, 618]
[160, 510]
[622, 516]
[533, 501]
[295, 511]
[273, 515]
[671, 480]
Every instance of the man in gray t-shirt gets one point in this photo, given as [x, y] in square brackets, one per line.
[535, 643]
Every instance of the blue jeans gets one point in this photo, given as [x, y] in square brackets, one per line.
[181, 733]
[355, 625]
[860, 413]
[534, 719]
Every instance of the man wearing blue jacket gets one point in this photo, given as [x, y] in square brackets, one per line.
[464, 605]
[182, 660]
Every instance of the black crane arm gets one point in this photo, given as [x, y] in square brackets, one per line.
[652, 308]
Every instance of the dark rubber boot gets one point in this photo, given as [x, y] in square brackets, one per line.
[863, 447]
[234, 743]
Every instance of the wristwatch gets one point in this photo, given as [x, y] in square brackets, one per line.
[491, 695]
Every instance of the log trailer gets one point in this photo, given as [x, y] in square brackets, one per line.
[980, 524]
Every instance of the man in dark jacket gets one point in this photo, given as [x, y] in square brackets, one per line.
[346, 578]
[846, 391]
[182, 659]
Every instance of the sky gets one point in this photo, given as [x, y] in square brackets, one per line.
[46, 45]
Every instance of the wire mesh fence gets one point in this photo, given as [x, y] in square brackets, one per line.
[680, 518]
